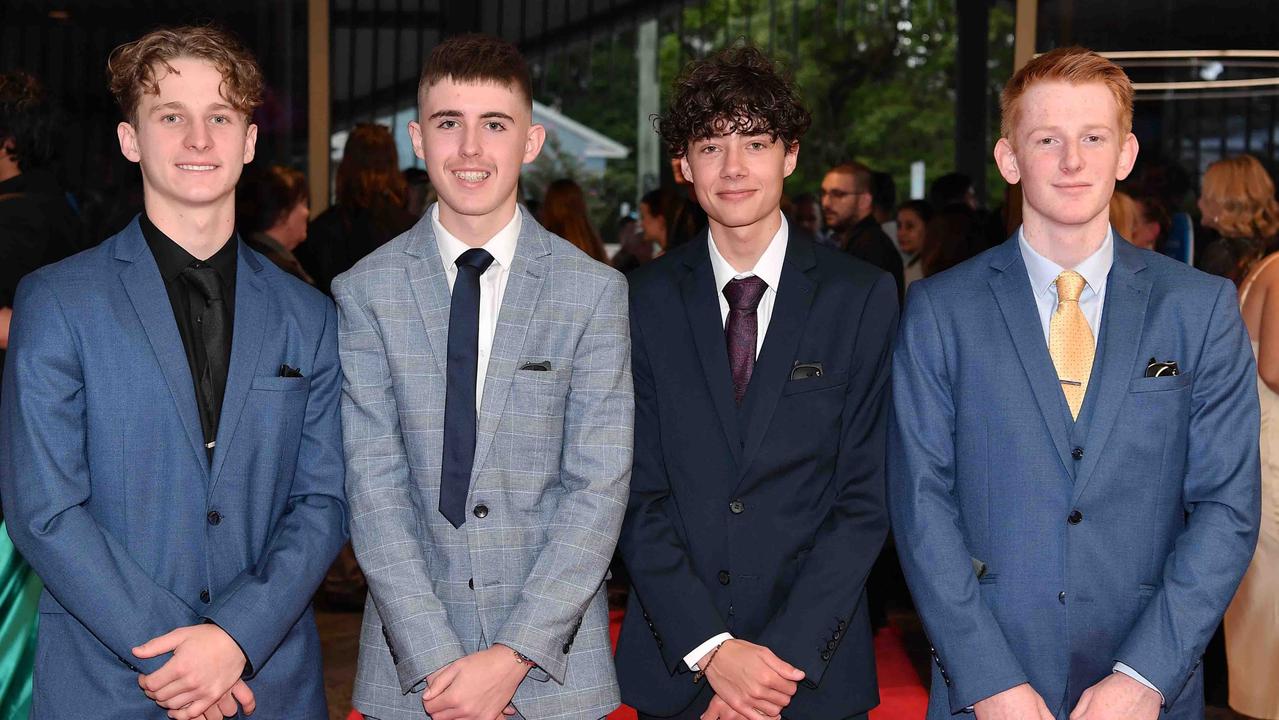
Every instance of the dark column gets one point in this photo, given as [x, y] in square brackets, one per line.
[460, 17]
[971, 144]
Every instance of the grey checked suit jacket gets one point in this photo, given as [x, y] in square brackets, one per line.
[552, 467]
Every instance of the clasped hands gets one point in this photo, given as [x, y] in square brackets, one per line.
[476, 687]
[1116, 697]
[750, 682]
[202, 679]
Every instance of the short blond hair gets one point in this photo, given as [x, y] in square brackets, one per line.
[131, 67]
[1243, 190]
[1074, 65]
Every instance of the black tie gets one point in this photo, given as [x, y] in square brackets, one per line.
[215, 340]
[459, 397]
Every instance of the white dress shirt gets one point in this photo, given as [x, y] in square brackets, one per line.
[492, 283]
[1043, 283]
[769, 269]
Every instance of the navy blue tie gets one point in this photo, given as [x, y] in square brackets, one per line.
[459, 397]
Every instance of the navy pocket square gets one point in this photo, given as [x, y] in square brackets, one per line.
[290, 372]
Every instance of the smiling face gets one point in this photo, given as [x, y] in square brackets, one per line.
[1067, 150]
[474, 138]
[738, 178]
[189, 141]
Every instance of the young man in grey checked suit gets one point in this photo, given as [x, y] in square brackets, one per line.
[487, 414]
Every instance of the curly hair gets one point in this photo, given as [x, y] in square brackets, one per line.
[736, 90]
[1242, 188]
[131, 67]
[26, 120]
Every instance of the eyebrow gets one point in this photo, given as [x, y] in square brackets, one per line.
[1055, 129]
[458, 114]
[178, 105]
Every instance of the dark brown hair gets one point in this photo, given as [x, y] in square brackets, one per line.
[131, 67]
[736, 90]
[264, 197]
[564, 213]
[27, 120]
[369, 173]
[477, 58]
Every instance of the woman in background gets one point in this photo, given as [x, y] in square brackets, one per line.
[271, 213]
[912, 221]
[564, 213]
[1238, 200]
[370, 210]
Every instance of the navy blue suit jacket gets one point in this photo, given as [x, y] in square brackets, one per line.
[109, 494]
[764, 521]
[1118, 540]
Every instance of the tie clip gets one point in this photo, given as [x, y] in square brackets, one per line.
[1075, 383]
[209, 445]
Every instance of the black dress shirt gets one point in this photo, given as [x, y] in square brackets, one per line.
[188, 303]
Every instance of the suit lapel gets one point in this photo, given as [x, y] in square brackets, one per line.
[777, 357]
[1011, 287]
[1124, 310]
[701, 303]
[252, 308]
[430, 289]
[142, 281]
[528, 271]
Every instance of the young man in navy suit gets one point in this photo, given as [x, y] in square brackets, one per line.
[170, 447]
[761, 365]
[1073, 468]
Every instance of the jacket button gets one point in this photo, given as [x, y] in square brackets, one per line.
[736, 507]
[830, 645]
[723, 577]
[825, 655]
[566, 648]
[842, 625]
[470, 582]
[1061, 597]
[1077, 453]
[204, 596]
[215, 517]
[1075, 517]
[481, 511]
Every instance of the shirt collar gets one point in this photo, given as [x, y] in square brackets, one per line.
[768, 268]
[171, 258]
[1043, 272]
[501, 246]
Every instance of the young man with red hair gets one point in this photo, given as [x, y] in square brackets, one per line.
[1073, 467]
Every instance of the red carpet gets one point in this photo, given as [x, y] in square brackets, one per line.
[901, 695]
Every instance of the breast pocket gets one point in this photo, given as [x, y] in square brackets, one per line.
[813, 384]
[539, 393]
[1160, 384]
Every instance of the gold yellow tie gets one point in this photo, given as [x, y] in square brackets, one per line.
[1070, 341]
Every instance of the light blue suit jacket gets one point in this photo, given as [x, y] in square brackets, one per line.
[1120, 538]
[108, 491]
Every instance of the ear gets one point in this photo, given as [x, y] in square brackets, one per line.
[686, 169]
[791, 159]
[533, 143]
[415, 137]
[250, 143]
[128, 136]
[1127, 156]
[1006, 160]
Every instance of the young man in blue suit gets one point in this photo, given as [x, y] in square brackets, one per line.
[1073, 467]
[170, 446]
[761, 364]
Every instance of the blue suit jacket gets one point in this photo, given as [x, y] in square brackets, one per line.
[761, 521]
[109, 494]
[1121, 539]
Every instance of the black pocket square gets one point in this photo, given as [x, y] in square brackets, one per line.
[542, 366]
[1167, 368]
[287, 371]
[806, 370]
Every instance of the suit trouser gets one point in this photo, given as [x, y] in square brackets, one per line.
[694, 711]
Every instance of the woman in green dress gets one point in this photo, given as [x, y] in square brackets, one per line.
[19, 593]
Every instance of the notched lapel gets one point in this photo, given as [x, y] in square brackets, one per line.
[430, 290]
[772, 369]
[1011, 287]
[523, 286]
[252, 309]
[142, 281]
[1124, 318]
[701, 303]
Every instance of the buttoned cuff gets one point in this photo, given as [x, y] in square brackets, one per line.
[1122, 668]
[691, 659]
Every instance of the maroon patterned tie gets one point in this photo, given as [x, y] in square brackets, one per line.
[741, 329]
